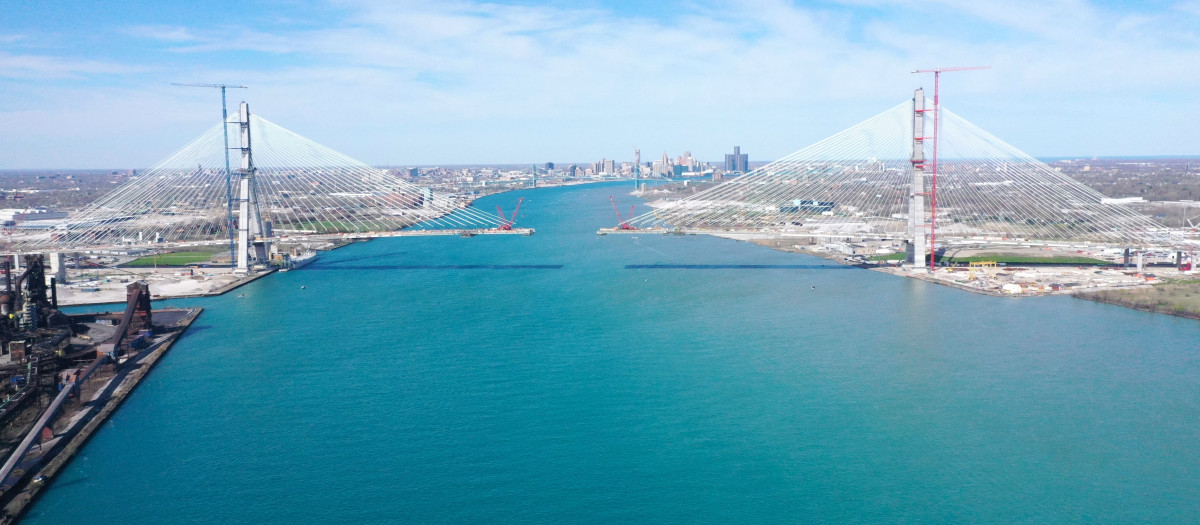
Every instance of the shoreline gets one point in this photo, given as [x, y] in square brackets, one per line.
[69, 297]
[1101, 297]
[81, 427]
[776, 242]
[73, 294]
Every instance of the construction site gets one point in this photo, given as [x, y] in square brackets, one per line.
[994, 269]
[286, 192]
[921, 192]
[194, 225]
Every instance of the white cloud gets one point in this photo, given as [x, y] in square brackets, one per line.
[50, 67]
[429, 82]
[163, 33]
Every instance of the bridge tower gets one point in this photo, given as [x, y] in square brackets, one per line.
[637, 167]
[916, 197]
[252, 245]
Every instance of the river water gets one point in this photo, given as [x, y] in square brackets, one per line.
[538, 379]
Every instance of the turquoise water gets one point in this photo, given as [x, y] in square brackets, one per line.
[437, 380]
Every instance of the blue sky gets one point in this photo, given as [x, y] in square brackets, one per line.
[88, 84]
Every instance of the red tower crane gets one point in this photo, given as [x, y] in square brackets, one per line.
[624, 223]
[1191, 265]
[506, 223]
[937, 75]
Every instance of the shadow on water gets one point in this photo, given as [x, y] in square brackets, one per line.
[435, 267]
[66, 483]
[384, 255]
[195, 328]
[736, 267]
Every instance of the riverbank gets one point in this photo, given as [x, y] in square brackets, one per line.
[1006, 281]
[1180, 299]
[72, 429]
[107, 286]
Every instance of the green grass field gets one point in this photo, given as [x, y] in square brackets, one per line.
[1004, 258]
[331, 226]
[172, 259]
[1007, 258]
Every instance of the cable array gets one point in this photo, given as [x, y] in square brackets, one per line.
[857, 183]
[301, 188]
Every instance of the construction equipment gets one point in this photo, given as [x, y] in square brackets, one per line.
[981, 269]
[937, 76]
[228, 174]
[624, 223]
[506, 223]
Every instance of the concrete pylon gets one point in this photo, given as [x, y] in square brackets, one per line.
[58, 268]
[249, 217]
[916, 197]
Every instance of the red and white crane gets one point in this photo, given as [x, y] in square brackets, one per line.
[937, 75]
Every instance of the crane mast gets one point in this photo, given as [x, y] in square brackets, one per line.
[933, 175]
[228, 174]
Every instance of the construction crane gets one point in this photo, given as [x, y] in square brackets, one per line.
[624, 222]
[228, 175]
[506, 223]
[937, 75]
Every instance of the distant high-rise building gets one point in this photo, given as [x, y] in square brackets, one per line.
[637, 162]
[738, 161]
[688, 162]
[664, 166]
[604, 166]
[549, 166]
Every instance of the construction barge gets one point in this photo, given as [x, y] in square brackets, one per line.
[62, 376]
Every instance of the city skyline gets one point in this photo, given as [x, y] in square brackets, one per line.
[87, 85]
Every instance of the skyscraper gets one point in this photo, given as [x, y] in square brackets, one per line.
[637, 163]
[738, 161]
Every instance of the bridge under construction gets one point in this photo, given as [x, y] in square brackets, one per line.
[873, 181]
[286, 187]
